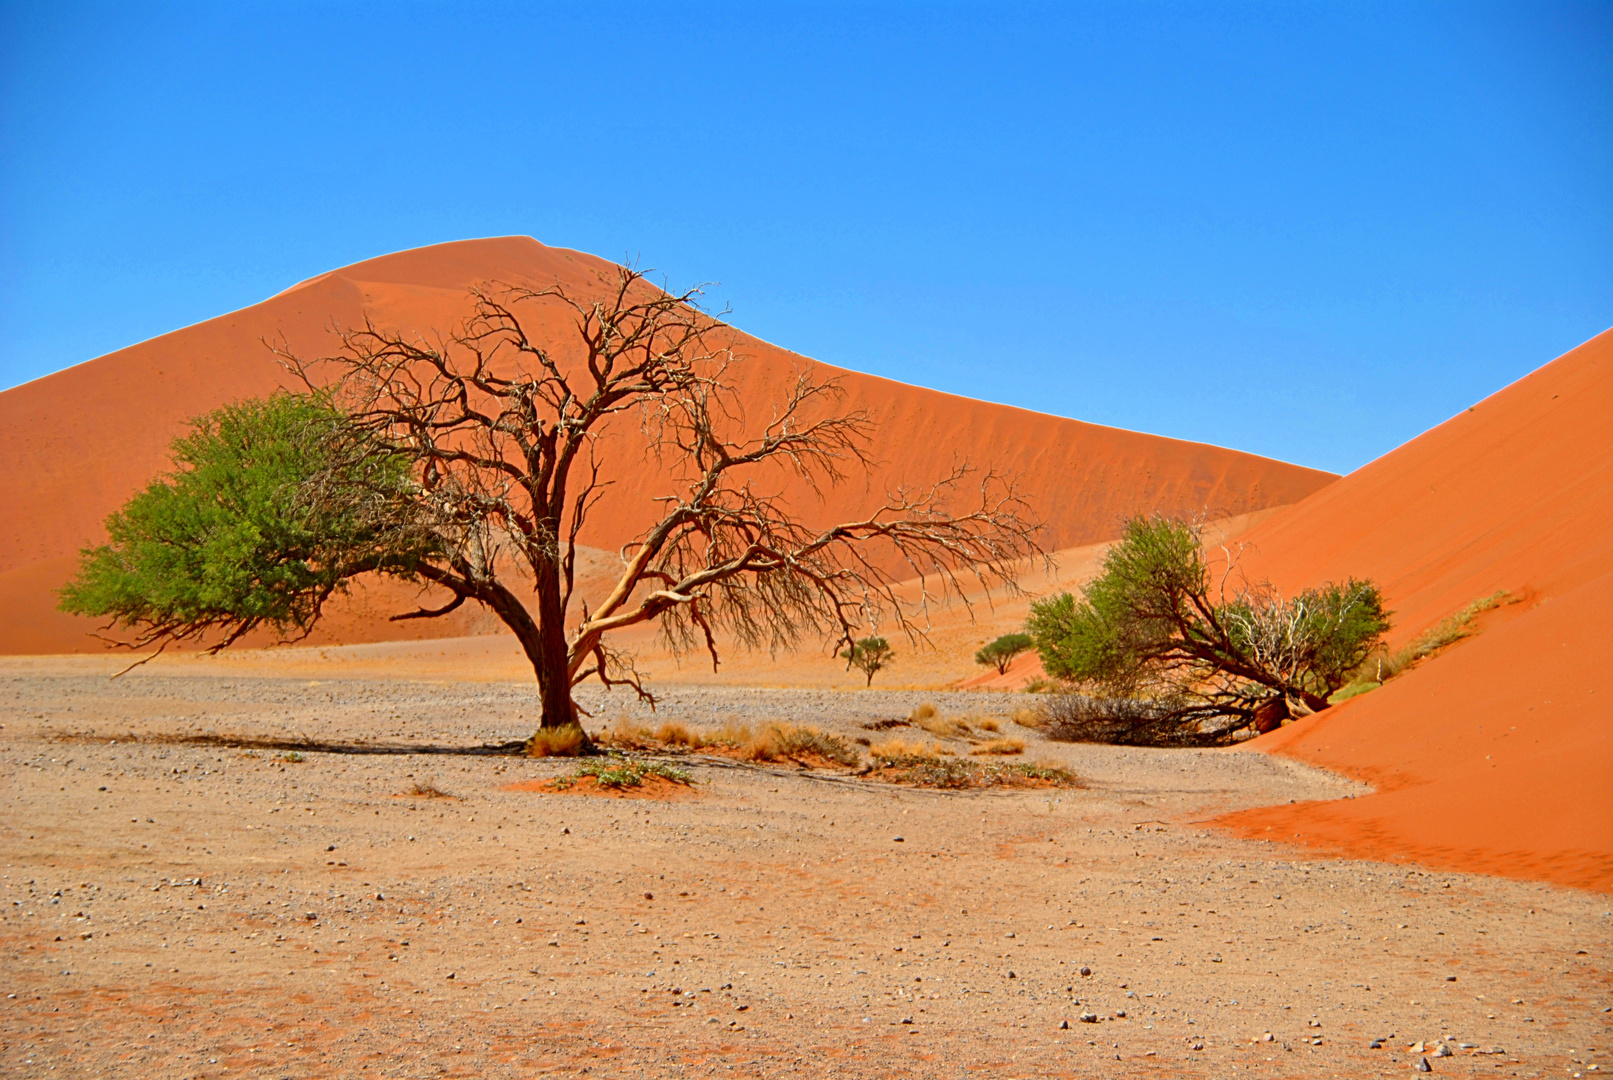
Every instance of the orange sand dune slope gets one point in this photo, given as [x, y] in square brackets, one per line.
[76, 444]
[1495, 755]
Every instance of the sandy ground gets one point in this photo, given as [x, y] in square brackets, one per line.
[178, 910]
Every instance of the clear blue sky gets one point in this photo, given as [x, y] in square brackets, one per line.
[1305, 230]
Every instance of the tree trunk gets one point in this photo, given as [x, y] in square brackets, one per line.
[552, 663]
[1270, 714]
[544, 642]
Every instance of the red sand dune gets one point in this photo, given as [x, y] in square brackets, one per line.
[77, 443]
[1494, 756]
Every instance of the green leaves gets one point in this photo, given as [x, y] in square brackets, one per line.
[274, 504]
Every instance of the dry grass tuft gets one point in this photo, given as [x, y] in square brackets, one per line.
[428, 789]
[1033, 718]
[961, 773]
[903, 752]
[948, 727]
[675, 734]
[990, 724]
[1000, 746]
[568, 741]
[925, 711]
[774, 742]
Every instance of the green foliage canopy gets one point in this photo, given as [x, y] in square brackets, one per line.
[1001, 653]
[1156, 624]
[274, 505]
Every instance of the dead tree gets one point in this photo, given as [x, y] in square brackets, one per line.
[504, 432]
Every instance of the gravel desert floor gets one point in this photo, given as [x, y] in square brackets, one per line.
[201, 909]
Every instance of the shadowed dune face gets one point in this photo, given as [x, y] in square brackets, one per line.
[78, 443]
[1494, 755]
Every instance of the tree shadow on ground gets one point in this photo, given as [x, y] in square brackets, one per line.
[309, 746]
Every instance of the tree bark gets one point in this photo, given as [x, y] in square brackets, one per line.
[553, 665]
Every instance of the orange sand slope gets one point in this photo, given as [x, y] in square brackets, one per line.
[74, 445]
[1495, 755]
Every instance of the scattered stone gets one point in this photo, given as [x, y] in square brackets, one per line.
[1417, 1047]
[1423, 1066]
[1064, 1025]
[1443, 1051]
[1375, 1044]
[1085, 971]
[1089, 1018]
[450, 974]
[1198, 1046]
[1011, 975]
[898, 840]
[647, 896]
[1009, 934]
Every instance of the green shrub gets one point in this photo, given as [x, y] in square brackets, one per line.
[1156, 625]
[624, 772]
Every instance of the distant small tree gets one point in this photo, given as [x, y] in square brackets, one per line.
[869, 655]
[1158, 625]
[1002, 652]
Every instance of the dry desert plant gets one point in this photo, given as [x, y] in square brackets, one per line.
[567, 741]
[428, 789]
[790, 742]
[948, 727]
[1027, 717]
[990, 724]
[1000, 746]
[961, 773]
[673, 733]
[902, 751]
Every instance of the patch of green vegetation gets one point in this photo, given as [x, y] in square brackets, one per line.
[1355, 689]
[624, 772]
[1448, 631]
[1379, 669]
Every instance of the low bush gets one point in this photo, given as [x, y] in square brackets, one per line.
[1133, 722]
[990, 724]
[922, 712]
[428, 789]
